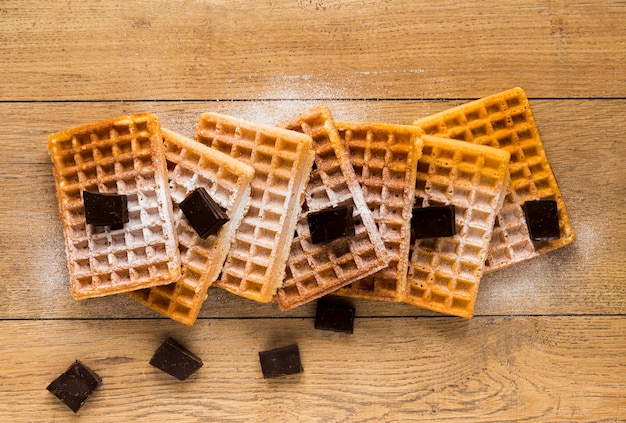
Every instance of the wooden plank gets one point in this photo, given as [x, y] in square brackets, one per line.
[25, 126]
[581, 140]
[530, 369]
[309, 49]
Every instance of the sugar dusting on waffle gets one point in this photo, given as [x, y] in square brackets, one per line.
[385, 159]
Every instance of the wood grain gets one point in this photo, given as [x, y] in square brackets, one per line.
[548, 343]
[309, 49]
[524, 369]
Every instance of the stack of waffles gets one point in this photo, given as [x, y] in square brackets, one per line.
[315, 269]
[505, 121]
[482, 160]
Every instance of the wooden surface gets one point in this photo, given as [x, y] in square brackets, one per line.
[548, 342]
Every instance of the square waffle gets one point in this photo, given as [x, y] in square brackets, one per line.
[123, 156]
[444, 273]
[192, 165]
[282, 160]
[505, 121]
[314, 270]
[384, 158]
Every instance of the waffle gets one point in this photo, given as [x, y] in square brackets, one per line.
[385, 158]
[282, 160]
[124, 156]
[314, 270]
[444, 273]
[505, 121]
[192, 165]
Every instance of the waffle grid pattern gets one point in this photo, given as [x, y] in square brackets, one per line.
[122, 156]
[192, 165]
[444, 273]
[505, 121]
[282, 161]
[314, 270]
[384, 158]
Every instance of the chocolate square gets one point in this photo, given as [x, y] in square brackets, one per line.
[280, 361]
[203, 213]
[432, 222]
[542, 219]
[105, 209]
[330, 224]
[334, 317]
[176, 360]
[75, 385]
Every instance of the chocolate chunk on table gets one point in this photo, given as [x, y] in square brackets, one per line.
[330, 224]
[542, 219]
[280, 361]
[334, 317]
[432, 222]
[75, 385]
[176, 360]
[105, 209]
[203, 213]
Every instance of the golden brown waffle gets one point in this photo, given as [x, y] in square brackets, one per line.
[314, 270]
[444, 273]
[282, 160]
[505, 121]
[192, 165]
[385, 158]
[124, 156]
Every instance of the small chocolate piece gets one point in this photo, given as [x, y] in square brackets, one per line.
[75, 385]
[280, 361]
[334, 317]
[330, 224]
[203, 213]
[105, 209]
[542, 219]
[432, 222]
[176, 360]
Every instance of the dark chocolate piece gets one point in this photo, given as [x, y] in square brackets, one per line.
[432, 222]
[330, 224]
[280, 361]
[334, 317]
[105, 209]
[75, 385]
[176, 360]
[542, 219]
[203, 213]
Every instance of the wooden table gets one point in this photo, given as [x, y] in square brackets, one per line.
[548, 342]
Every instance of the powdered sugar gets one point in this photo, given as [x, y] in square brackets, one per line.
[286, 96]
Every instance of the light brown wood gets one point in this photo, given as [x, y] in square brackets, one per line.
[310, 49]
[548, 341]
[495, 369]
